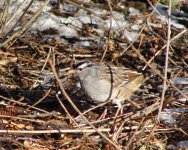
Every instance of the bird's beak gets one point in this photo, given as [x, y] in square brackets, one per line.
[71, 71]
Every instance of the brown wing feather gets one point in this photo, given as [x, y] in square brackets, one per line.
[119, 75]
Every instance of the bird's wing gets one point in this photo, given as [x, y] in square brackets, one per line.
[119, 76]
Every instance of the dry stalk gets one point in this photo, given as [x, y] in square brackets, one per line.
[16, 13]
[42, 115]
[142, 113]
[71, 118]
[90, 109]
[118, 132]
[53, 131]
[142, 126]
[109, 32]
[159, 51]
[156, 72]
[3, 16]
[41, 99]
[24, 28]
[132, 42]
[77, 110]
[21, 118]
[22, 104]
[166, 61]
[19, 20]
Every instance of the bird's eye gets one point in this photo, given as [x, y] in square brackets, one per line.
[80, 69]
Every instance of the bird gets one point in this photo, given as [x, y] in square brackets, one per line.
[105, 83]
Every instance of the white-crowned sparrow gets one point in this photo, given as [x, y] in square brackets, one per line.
[106, 83]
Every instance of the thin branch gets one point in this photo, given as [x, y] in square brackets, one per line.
[22, 104]
[156, 72]
[158, 52]
[76, 108]
[24, 28]
[166, 61]
[109, 34]
[54, 131]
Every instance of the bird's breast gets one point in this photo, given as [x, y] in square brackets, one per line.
[98, 90]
